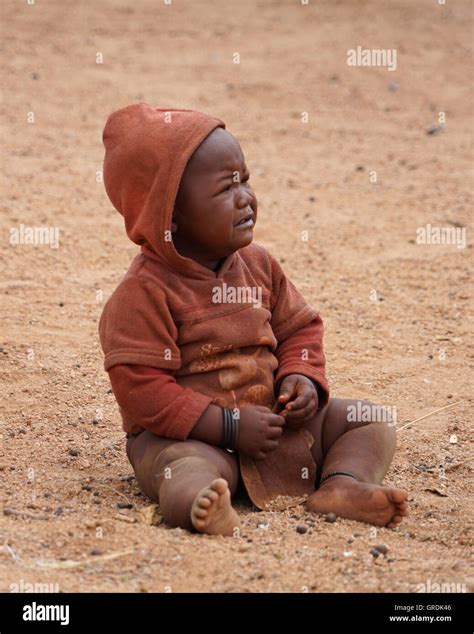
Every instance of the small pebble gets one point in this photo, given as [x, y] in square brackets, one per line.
[124, 505]
[301, 529]
[374, 552]
[95, 421]
[58, 511]
[73, 452]
[96, 551]
[434, 129]
[330, 517]
[382, 549]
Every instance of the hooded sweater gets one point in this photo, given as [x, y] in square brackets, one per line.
[178, 336]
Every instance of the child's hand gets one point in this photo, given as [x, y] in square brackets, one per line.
[259, 431]
[299, 398]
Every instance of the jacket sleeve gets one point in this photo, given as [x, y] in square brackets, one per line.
[151, 398]
[298, 329]
[136, 327]
[302, 353]
[290, 311]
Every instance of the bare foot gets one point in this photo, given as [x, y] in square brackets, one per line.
[212, 512]
[353, 500]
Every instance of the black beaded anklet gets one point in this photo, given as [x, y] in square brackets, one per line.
[230, 429]
[336, 473]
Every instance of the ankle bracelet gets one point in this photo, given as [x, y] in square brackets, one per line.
[336, 473]
[230, 429]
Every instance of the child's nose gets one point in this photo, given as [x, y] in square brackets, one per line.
[244, 197]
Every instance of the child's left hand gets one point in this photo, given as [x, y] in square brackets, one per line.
[299, 397]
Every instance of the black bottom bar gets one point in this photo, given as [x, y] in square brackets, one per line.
[239, 613]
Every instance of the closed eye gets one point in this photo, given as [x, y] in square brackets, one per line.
[228, 187]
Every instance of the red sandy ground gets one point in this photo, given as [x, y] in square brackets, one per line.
[314, 177]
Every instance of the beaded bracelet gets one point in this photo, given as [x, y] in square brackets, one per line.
[230, 429]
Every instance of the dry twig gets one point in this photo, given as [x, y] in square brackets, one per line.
[430, 414]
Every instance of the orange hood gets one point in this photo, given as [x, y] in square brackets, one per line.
[146, 152]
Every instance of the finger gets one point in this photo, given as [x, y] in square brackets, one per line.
[286, 396]
[274, 432]
[310, 403]
[270, 446]
[287, 390]
[276, 420]
[306, 393]
[307, 412]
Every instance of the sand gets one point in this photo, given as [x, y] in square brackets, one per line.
[396, 311]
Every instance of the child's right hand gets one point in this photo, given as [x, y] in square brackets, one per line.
[259, 431]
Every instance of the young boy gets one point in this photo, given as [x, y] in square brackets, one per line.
[214, 357]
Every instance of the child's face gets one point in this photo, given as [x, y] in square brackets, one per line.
[213, 198]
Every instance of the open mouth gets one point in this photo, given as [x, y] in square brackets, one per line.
[246, 222]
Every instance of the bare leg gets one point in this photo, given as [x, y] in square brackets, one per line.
[192, 481]
[363, 449]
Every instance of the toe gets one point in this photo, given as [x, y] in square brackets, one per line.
[199, 512]
[211, 495]
[204, 502]
[398, 496]
[395, 521]
[219, 485]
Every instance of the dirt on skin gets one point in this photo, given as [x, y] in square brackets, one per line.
[360, 176]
